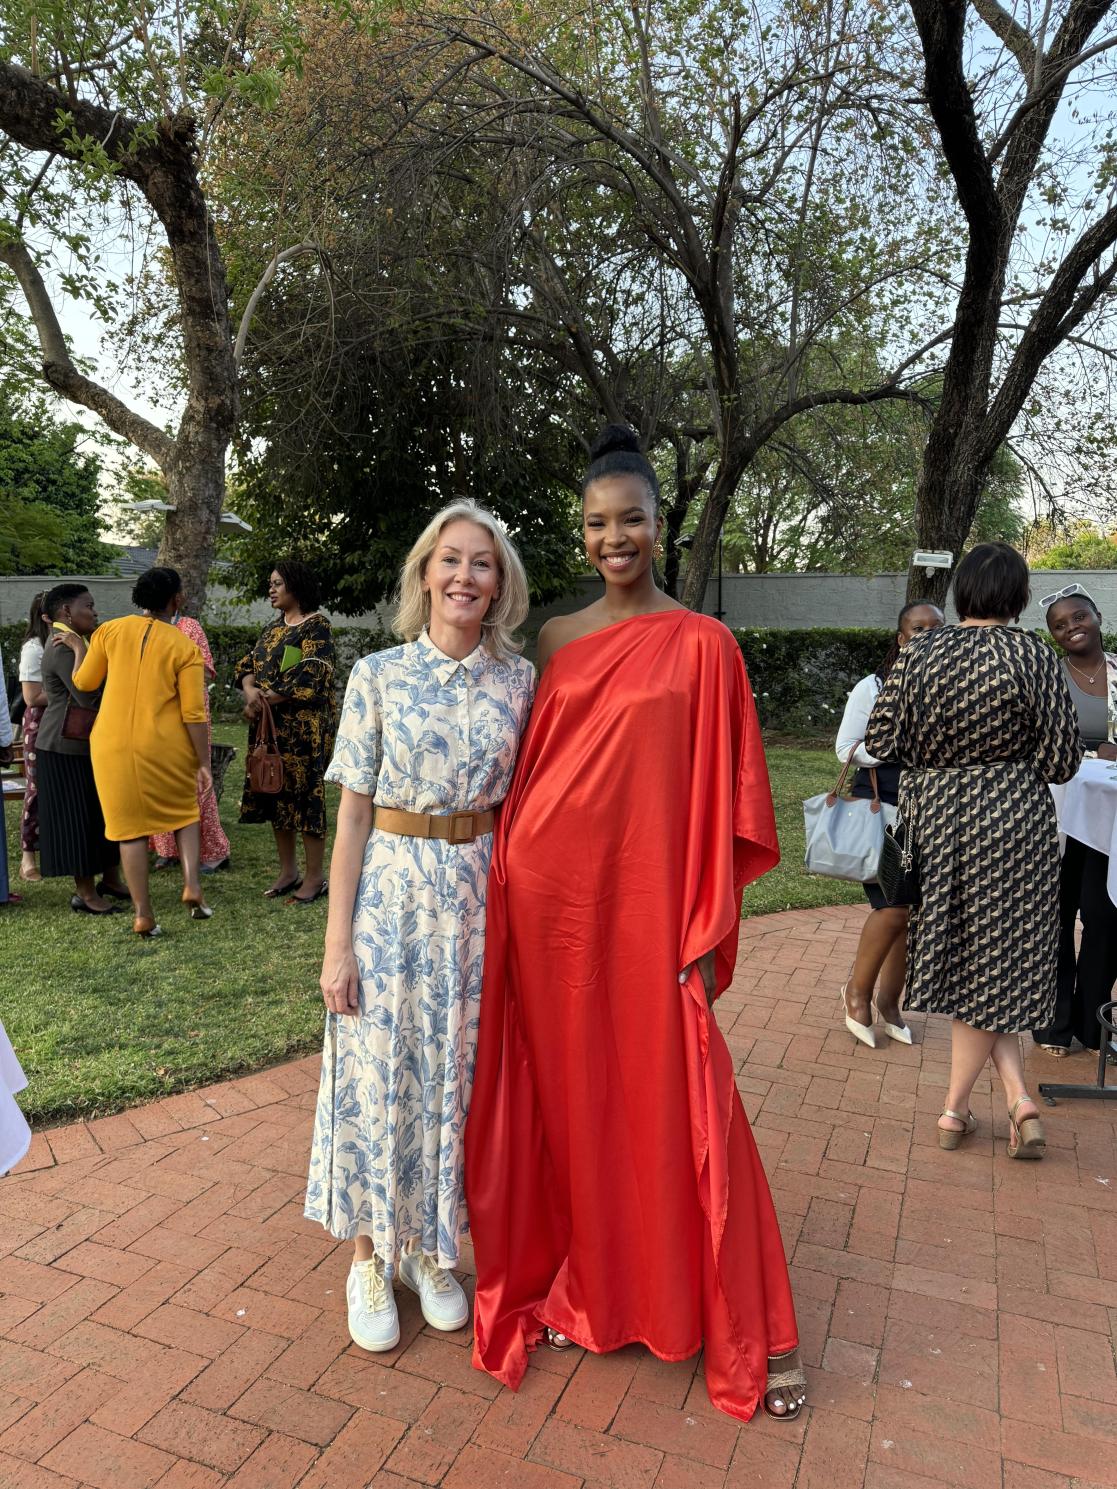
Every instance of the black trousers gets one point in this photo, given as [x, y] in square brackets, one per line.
[1086, 981]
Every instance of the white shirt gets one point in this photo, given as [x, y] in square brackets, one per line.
[5, 717]
[859, 705]
[31, 661]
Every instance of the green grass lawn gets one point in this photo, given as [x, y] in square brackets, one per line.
[102, 1020]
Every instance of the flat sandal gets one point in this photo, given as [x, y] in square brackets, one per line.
[949, 1137]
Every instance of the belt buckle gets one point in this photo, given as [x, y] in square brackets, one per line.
[458, 836]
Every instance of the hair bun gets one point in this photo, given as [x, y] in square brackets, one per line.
[615, 437]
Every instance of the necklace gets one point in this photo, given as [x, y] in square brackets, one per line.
[1085, 674]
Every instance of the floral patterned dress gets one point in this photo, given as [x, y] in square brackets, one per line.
[304, 724]
[426, 733]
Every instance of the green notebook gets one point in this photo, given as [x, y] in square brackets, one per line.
[292, 656]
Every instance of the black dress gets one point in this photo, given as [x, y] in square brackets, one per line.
[305, 724]
[982, 720]
[72, 840]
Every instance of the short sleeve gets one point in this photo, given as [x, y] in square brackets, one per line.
[527, 693]
[31, 661]
[357, 749]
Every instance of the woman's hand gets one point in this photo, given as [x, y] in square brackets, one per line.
[72, 640]
[1107, 752]
[204, 777]
[706, 967]
[273, 697]
[340, 981]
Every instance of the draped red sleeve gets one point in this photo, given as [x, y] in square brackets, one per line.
[615, 1192]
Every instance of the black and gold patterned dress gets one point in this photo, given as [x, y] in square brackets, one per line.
[304, 725]
[982, 720]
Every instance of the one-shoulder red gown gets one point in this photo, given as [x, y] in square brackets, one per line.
[615, 1192]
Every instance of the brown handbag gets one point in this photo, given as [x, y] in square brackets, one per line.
[78, 722]
[265, 763]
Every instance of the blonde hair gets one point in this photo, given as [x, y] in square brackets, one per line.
[505, 612]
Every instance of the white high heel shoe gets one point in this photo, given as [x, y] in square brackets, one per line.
[863, 1032]
[899, 1032]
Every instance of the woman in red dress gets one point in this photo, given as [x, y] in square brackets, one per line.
[615, 1192]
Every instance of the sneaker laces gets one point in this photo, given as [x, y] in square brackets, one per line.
[374, 1288]
[438, 1278]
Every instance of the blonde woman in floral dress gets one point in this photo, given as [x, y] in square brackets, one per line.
[425, 751]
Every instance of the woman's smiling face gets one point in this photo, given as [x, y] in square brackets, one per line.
[1075, 626]
[462, 577]
[620, 527]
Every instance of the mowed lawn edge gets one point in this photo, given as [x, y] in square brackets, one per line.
[102, 1020]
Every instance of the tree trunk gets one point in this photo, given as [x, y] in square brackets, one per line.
[949, 491]
[704, 550]
[196, 489]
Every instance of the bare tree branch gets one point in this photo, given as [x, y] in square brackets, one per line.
[58, 366]
[281, 256]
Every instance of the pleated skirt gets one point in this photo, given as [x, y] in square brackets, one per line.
[72, 839]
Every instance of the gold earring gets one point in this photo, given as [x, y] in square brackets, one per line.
[659, 547]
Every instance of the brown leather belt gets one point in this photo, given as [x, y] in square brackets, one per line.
[455, 827]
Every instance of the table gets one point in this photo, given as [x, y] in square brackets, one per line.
[1087, 810]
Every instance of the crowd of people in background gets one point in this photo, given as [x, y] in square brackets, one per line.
[964, 728]
[116, 739]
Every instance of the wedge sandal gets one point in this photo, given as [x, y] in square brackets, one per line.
[950, 1137]
[1026, 1138]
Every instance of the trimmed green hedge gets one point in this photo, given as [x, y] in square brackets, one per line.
[800, 678]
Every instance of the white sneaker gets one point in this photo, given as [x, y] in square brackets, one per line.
[441, 1297]
[373, 1320]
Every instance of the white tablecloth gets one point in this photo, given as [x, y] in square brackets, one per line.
[1087, 808]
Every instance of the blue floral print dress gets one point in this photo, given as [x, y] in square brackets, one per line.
[426, 733]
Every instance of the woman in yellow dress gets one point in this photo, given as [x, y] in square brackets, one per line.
[150, 744]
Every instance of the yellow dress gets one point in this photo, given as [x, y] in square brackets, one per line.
[143, 761]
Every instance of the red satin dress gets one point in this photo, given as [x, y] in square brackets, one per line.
[615, 1192]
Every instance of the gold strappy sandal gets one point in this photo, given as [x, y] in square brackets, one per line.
[949, 1137]
[1030, 1140]
[787, 1386]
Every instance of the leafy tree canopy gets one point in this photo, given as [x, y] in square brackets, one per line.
[49, 521]
[1084, 546]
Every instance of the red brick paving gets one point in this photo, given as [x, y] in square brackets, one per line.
[168, 1320]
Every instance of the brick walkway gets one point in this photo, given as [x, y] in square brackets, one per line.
[169, 1318]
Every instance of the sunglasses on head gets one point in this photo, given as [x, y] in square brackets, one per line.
[1064, 594]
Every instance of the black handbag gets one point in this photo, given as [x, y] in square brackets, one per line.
[898, 872]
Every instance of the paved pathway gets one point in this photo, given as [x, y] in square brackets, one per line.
[168, 1318]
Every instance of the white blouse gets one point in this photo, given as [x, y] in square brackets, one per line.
[31, 661]
[859, 705]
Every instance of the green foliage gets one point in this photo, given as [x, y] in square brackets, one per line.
[1085, 547]
[345, 462]
[49, 522]
[836, 494]
[32, 537]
